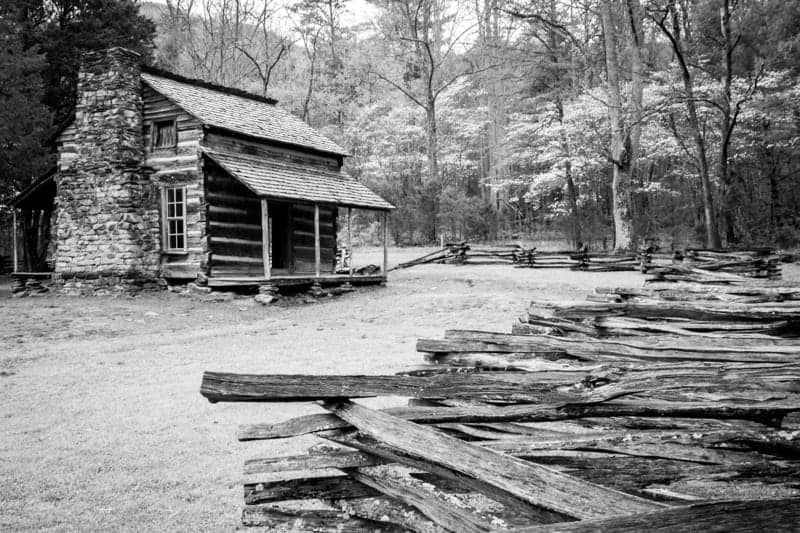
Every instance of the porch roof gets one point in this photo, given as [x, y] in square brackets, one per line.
[286, 180]
[39, 194]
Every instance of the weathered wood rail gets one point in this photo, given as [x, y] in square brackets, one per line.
[663, 408]
[513, 254]
[699, 266]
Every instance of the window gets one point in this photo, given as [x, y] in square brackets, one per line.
[165, 134]
[174, 200]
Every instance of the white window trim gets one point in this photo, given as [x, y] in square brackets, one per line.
[166, 218]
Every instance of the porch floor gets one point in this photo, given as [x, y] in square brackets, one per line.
[299, 279]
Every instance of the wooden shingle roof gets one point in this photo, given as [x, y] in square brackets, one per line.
[254, 117]
[285, 180]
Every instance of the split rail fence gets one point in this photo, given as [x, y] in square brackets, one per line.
[464, 253]
[760, 263]
[671, 407]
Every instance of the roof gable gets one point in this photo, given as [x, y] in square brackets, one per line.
[254, 117]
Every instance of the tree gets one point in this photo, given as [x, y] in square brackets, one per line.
[230, 42]
[25, 123]
[422, 36]
[673, 20]
[63, 30]
[42, 45]
[319, 23]
[623, 147]
[554, 80]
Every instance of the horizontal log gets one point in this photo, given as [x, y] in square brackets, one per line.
[455, 345]
[226, 252]
[620, 326]
[240, 226]
[234, 241]
[785, 289]
[317, 461]
[303, 488]
[649, 294]
[229, 260]
[662, 309]
[252, 271]
[729, 516]
[769, 413]
[319, 521]
[239, 211]
[282, 388]
[605, 325]
[230, 199]
[653, 348]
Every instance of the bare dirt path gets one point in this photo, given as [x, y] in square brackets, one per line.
[103, 427]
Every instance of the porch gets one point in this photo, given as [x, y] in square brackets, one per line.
[326, 280]
[278, 223]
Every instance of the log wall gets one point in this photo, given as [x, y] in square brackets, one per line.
[301, 216]
[178, 166]
[234, 226]
[183, 157]
[303, 243]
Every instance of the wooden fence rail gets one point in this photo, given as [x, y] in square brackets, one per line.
[665, 408]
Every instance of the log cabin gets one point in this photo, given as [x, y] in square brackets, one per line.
[160, 176]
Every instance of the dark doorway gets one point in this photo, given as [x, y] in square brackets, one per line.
[279, 215]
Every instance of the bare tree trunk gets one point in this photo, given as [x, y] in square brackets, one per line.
[727, 124]
[674, 35]
[572, 190]
[490, 30]
[637, 80]
[432, 149]
[310, 46]
[620, 138]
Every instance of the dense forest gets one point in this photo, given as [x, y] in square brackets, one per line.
[602, 122]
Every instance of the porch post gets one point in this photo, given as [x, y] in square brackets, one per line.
[316, 240]
[14, 224]
[265, 236]
[385, 241]
[350, 239]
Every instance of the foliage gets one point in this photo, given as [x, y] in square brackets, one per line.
[24, 120]
[65, 29]
[480, 120]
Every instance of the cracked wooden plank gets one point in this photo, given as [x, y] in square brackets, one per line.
[725, 516]
[531, 483]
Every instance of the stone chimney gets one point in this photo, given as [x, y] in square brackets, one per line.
[107, 210]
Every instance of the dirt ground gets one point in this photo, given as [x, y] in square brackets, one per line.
[103, 426]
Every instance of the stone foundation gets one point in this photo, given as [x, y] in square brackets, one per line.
[104, 283]
[30, 285]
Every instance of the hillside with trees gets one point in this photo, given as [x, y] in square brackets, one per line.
[593, 122]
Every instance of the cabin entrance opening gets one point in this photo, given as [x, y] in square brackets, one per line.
[280, 235]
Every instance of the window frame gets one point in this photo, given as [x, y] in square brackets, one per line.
[166, 219]
[154, 134]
